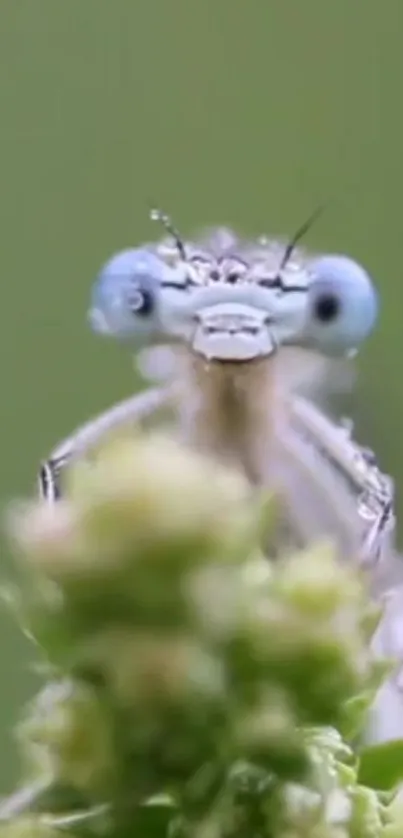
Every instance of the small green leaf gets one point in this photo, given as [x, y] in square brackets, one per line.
[381, 766]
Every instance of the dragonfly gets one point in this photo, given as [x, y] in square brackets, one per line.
[249, 330]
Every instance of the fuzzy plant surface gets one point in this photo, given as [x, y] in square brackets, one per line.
[192, 688]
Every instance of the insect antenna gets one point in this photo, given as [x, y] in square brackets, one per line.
[162, 218]
[302, 230]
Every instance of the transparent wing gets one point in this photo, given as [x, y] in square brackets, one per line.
[320, 379]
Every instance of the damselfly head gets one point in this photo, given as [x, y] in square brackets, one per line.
[229, 300]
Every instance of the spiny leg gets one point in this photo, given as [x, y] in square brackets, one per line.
[349, 477]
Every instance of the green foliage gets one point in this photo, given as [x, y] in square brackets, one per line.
[381, 765]
[193, 688]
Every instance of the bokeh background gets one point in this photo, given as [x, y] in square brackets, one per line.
[248, 113]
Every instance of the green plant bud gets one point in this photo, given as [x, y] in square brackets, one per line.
[315, 584]
[193, 664]
[147, 500]
[164, 494]
[367, 814]
[68, 737]
[267, 736]
[143, 669]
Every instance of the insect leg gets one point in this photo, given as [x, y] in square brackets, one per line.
[90, 434]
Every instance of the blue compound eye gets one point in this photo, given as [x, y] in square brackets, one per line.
[342, 304]
[126, 295]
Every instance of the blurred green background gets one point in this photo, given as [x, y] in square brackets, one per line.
[248, 113]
